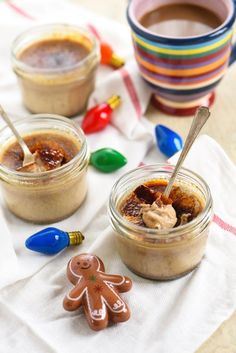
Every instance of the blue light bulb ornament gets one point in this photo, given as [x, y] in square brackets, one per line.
[168, 141]
[51, 240]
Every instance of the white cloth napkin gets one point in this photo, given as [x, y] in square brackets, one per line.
[167, 317]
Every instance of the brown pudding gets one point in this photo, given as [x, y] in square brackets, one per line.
[55, 185]
[56, 66]
[54, 53]
[52, 150]
[186, 205]
[157, 237]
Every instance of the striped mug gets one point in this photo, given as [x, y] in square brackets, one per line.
[183, 72]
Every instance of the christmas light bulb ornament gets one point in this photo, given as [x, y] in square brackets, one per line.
[51, 240]
[107, 160]
[168, 141]
[108, 57]
[98, 117]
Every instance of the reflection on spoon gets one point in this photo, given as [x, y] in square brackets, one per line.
[201, 117]
[29, 158]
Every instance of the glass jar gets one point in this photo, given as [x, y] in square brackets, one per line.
[161, 254]
[59, 90]
[49, 196]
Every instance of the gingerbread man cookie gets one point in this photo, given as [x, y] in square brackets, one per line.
[97, 291]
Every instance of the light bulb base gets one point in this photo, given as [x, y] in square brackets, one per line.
[76, 237]
[114, 102]
[116, 61]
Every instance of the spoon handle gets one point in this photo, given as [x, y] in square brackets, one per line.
[201, 116]
[15, 132]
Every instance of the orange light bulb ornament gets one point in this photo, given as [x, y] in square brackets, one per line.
[108, 57]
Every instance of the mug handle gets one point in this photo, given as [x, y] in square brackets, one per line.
[233, 52]
[233, 55]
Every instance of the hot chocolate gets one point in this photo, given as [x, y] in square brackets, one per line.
[180, 20]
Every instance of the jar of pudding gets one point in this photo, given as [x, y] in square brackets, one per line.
[56, 67]
[160, 238]
[53, 187]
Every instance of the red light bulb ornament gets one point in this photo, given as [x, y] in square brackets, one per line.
[108, 57]
[98, 117]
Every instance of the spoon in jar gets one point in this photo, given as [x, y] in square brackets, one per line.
[29, 158]
[201, 116]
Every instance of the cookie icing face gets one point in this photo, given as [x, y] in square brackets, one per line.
[84, 264]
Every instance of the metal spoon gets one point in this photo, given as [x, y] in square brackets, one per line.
[201, 116]
[29, 158]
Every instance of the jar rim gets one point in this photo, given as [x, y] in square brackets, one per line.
[67, 28]
[150, 233]
[82, 153]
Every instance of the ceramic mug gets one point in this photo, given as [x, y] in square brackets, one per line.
[183, 71]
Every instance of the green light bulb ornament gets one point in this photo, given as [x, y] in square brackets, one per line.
[107, 160]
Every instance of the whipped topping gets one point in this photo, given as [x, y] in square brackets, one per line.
[158, 216]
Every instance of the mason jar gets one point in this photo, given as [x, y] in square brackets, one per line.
[161, 254]
[63, 89]
[47, 196]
